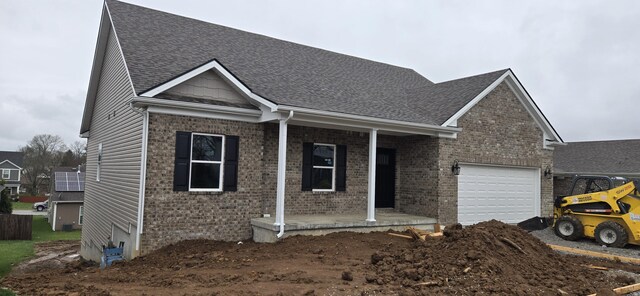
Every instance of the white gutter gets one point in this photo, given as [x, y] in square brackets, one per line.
[282, 167]
[146, 101]
[372, 122]
[143, 172]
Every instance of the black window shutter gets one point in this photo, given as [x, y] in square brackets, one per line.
[307, 166]
[230, 182]
[341, 168]
[181, 166]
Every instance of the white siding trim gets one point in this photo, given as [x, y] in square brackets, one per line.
[13, 164]
[220, 70]
[143, 177]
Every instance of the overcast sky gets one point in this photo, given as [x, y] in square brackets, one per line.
[579, 60]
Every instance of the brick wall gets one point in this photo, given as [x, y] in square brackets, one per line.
[562, 185]
[416, 159]
[498, 130]
[173, 216]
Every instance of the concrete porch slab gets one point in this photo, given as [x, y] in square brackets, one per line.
[265, 230]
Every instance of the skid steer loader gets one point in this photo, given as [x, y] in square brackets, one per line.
[600, 207]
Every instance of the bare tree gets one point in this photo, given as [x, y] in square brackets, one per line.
[41, 154]
[79, 150]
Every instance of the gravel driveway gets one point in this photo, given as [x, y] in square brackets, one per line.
[548, 236]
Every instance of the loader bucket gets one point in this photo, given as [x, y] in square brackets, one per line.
[535, 223]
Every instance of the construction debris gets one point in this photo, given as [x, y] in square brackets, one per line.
[486, 258]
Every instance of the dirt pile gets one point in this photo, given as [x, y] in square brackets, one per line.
[486, 258]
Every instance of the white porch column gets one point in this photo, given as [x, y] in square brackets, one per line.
[282, 167]
[371, 202]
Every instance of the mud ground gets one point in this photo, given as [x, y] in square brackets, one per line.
[490, 258]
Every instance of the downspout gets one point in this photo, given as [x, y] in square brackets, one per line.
[280, 208]
[143, 171]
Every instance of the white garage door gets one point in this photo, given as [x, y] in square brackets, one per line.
[507, 194]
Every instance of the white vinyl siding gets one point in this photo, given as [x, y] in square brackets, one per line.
[114, 199]
[507, 194]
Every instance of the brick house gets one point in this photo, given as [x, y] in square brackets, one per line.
[196, 130]
[616, 158]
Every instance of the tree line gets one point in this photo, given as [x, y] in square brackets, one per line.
[44, 152]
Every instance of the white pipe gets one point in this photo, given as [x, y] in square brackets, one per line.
[282, 168]
[371, 201]
[143, 171]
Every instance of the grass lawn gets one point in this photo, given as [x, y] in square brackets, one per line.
[4, 292]
[22, 205]
[16, 251]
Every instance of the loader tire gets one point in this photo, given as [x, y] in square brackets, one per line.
[611, 234]
[569, 228]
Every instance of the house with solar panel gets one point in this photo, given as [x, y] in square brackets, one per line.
[66, 202]
[200, 131]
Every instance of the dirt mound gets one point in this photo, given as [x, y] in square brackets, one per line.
[486, 258]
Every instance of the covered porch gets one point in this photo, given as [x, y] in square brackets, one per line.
[376, 171]
[265, 229]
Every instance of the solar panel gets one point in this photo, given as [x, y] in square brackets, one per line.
[69, 181]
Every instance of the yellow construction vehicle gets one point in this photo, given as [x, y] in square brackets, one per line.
[600, 207]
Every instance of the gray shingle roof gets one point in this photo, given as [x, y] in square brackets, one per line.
[159, 46]
[15, 157]
[603, 157]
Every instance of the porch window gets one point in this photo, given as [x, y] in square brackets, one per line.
[207, 160]
[6, 174]
[324, 165]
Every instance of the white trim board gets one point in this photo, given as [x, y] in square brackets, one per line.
[13, 164]
[522, 96]
[220, 70]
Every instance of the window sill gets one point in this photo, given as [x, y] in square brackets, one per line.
[206, 192]
[316, 191]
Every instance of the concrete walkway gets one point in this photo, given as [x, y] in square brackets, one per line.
[265, 230]
[29, 212]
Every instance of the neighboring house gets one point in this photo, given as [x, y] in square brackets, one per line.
[195, 129]
[619, 158]
[66, 210]
[11, 170]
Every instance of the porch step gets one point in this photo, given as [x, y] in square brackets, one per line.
[265, 230]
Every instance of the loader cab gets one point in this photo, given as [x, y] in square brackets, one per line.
[590, 184]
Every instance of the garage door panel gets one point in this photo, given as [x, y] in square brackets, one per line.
[502, 193]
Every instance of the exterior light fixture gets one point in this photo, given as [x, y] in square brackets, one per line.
[455, 168]
[547, 173]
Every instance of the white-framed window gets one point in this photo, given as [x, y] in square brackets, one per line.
[324, 167]
[81, 215]
[207, 162]
[99, 162]
[6, 174]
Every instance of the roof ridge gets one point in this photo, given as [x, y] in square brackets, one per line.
[473, 76]
[269, 37]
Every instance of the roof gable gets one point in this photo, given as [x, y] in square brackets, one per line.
[15, 158]
[507, 76]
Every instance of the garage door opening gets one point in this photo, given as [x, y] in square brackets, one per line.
[507, 194]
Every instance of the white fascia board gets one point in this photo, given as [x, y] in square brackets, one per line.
[113, 27]
[163, 106]
[571, 174]
[522, 96]
[13, 164]
[96, 69]
[365, 123]
[220, 70]
[453, 120]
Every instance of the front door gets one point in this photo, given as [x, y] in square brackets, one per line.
[385, 178]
